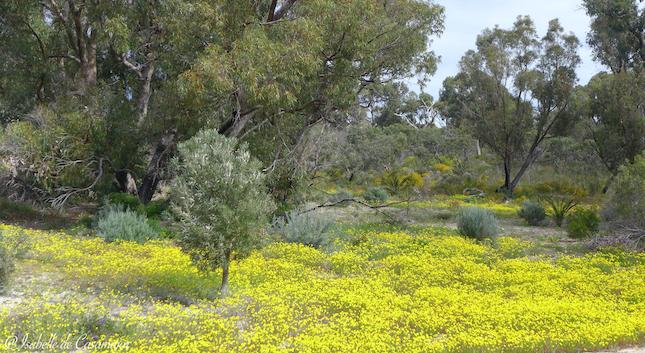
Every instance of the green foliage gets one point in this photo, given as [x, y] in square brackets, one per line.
[118, 223]
[152, 209]
[623, 211]
[477, 223]
[582, 223]
[220, 198]
[11, 209]
[400, 182]
[532, 212]
[559, 207]
[308, 228]
[505, 104]
[615, 119]
[6, 263]
[375, 194]
[617, 40]
[155, 208]
[128, 201]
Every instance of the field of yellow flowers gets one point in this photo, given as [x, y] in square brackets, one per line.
[375, 291]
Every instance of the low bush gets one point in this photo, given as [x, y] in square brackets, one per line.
[477, 223]
[153, 209]
[582, 223]
[116, 222]
[559, 207]
[310, 228]
[6, 264]
[532, 212]
[375, 194]
[126, 200]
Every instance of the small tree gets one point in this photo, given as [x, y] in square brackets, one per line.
[221, 200]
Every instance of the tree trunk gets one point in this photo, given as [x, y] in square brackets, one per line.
[125, 182]
[507, 175]
[146, 92]
[159, 160]
[226, 263]
[532, 156]
[225, 271]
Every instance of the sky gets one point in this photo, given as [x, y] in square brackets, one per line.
[465, 19]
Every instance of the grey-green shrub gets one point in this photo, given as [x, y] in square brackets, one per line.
[116, 222]
[477, 223]
[532, 212]
[375, 194]
[221, 199]
[6, 264]
[309, 228]
[582, 223]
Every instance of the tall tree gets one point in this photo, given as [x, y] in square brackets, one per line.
[264, 71]
[514, 92]
[616, 101]
[617, 33]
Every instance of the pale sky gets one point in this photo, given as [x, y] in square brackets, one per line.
[465, 19]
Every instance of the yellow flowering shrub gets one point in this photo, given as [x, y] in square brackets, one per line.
[431, 291]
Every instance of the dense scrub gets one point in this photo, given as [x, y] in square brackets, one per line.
[380, 291]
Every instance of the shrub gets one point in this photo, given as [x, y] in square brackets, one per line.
[532, 212]
[399, 182]
[152, 209]
[310, 228]
[6, 264]
[221, 199]
[375, 194]
[477, 223]
[560, 207]
[623, 213]
[582, 223]
[115, 222]
[126, 200]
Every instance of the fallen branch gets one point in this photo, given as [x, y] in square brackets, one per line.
[377, 208]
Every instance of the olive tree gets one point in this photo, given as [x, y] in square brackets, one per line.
[220, 196]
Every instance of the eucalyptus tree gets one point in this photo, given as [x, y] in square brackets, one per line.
[277, 70]
[617, 33]
[514, 92]
[152, 73]
[616, 100]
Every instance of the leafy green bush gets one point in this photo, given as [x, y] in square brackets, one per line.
[309, 228]
[6, 264]
[559, 207]
[153, 209]
[401, 182]
[375, 194]
[532, 212]
[477, 223]
[128, 201]
[582, 223]
[116, 222]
